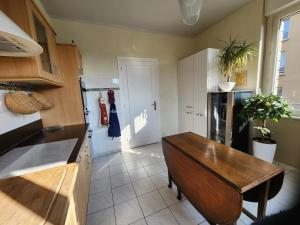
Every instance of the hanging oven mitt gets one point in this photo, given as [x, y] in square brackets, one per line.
[103, 113]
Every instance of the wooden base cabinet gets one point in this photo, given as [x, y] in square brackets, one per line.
[68, 109]
[39, 70]
[82, 186]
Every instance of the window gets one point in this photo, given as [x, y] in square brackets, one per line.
[286, 53]
[282, 63]
[285, 29]
[279, 91]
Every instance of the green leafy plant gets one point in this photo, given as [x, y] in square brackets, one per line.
[262, 108]
[235, 56]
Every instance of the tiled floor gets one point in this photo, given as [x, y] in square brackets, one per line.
[131, 188]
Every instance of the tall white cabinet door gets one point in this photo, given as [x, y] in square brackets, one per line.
[186, 94]
[186, 121]
[200, 93]
[186, 84]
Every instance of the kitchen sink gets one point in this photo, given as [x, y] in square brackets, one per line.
[28, 159]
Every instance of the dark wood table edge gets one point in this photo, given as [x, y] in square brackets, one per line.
[241, 190]
[264, 183]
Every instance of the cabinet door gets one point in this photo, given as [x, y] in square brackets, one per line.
[83, 182]
[186, 121]
[48, 61]
[186, 84]
[55, 65]
[200, 93]
[42, 40]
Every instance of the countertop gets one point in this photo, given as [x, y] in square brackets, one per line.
[38, 198]
[68, 132]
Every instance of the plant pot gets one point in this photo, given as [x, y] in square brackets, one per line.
[264, 149]
[226, 85]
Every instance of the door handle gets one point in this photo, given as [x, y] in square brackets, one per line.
[154, 105]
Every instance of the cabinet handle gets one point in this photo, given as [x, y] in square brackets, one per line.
[199, 114]
[189, 107]
[189, 113]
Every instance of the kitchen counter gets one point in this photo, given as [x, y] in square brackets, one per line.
[38, 198]
[58, 195]
[68, 132]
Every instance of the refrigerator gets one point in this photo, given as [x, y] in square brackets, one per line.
[225, 125]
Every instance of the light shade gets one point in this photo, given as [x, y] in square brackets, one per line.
[190, 10]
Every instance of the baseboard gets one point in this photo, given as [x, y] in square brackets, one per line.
[287, 167]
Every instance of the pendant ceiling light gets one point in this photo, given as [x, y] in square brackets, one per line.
[190, 10]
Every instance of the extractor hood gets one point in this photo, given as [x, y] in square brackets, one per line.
[14, 41]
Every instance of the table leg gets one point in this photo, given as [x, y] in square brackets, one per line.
[263, 199]
[170, 180]
[178, 193]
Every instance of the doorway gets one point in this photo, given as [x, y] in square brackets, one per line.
[140, 100]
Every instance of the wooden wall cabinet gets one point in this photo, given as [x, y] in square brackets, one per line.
[43, 69]
[68, 109]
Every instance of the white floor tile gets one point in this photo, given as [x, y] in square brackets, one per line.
[128, 212]
[100, 173]
[98, 166]
[123, 193]
[132, 165]
[119, 180]
[186, 214]
[116, 169]
[160, 180]
[104, 217]
[169, 195]
[154, 169]
[140, 222]
[143, 186]
[151, 202]
[137, 174]
[163, 165]
[163, 217]
[99, 185]
[149, 161]
[100, 201]
[204, 223]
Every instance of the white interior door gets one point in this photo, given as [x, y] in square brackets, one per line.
[139, 79]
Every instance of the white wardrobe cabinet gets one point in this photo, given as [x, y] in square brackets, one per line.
[197, 75]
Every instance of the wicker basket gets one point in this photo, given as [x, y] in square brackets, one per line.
[20, 102]
[45, 103]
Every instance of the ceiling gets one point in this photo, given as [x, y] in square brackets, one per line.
[151, 15]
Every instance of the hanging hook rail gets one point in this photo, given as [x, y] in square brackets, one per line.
[100, 89]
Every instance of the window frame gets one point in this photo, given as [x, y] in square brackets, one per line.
[272, 51]
[282, 73]
[283, 37]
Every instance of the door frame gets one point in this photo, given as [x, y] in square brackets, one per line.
[124, 96]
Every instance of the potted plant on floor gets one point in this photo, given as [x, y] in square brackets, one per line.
[234, 57]
[262, 108]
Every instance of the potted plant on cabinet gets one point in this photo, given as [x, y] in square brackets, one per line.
[262, 108]
[233, 57]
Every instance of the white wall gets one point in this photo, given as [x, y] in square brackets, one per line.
[274, 6]
[10, 120]
[100, 46]
[244, 24]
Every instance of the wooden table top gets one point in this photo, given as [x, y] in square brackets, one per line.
[238, 169]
